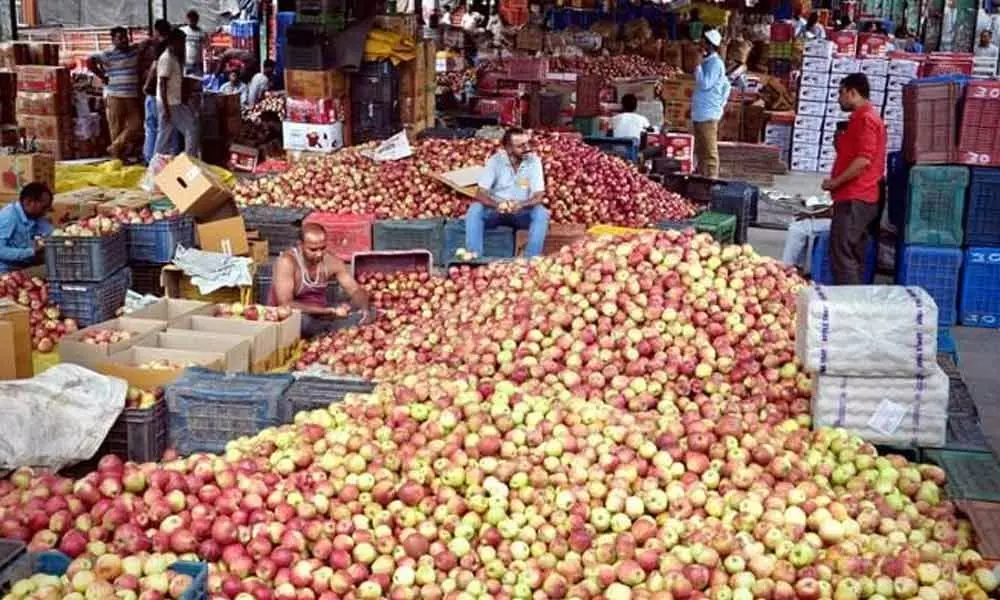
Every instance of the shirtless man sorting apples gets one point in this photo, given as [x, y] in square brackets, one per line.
[300, 278]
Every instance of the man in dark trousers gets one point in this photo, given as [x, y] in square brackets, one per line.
[854, 184]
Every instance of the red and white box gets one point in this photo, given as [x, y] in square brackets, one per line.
[323, 111]
[845, 43]
[243, 158]
[872, 44]
[680, 147]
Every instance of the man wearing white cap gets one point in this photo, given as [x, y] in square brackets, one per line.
[711, 91]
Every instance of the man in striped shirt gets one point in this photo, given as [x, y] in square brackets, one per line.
[119, 69]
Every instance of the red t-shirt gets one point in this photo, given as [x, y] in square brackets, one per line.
[864, 137]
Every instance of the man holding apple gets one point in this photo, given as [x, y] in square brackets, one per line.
[511, 192]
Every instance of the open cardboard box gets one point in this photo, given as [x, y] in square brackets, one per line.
[173, 309]
[72, 348]
[15, 341]
[176, 284]
[226, 236]
[235, 348]
[194, 189]
[125, 365]
[263, 336]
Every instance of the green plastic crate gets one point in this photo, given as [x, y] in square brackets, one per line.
[587, 126]
[720, 225]
[971, 475]
[935, 208]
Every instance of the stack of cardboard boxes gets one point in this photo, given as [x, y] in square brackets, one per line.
[316, 110]
[902, 69]
[18, 170]
[416, 88]
[44, 108]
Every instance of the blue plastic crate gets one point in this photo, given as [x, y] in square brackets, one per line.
[85, 258]
[897, 181]
[155, 243]
[946, 344]
[935, 206]
[91, 303]
[936, 269]
[53, 562]
[497, 242]
[410, 234]
[558, 19]
[982, 215]
[626, 148]
[736, 198]
[208, 409]
[979, 304]
[819, 261]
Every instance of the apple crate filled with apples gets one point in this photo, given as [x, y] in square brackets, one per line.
[623, 419]
[45, 319]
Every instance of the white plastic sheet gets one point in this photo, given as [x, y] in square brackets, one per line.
[898, 411]
[57, 418]
[866, 331]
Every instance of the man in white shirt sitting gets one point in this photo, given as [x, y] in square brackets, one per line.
[628, 123]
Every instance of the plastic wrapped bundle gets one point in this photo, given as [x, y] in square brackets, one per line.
[899, 411]
[866, 331]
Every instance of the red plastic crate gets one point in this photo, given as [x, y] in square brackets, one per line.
[930, 122]
[506, 109]
[345, 234]
[391, 261]
[588, 95]
[979, 136]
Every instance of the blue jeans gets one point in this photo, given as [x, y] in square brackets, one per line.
[152, 127]
[182, 120]
[479, 218]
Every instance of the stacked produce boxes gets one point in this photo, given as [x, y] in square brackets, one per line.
[44, 108]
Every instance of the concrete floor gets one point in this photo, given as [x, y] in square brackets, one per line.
[978, 349]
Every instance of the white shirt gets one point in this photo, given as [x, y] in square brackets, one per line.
[194, 42]
[629, 125]
[259, 84]
[167, 66]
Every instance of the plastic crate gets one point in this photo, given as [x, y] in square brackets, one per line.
[53, 562]
[897, 182]
[936, 269]
[965, 433]
[208, 409]
[310, 46]
[739, 199]
[256, 215]
[982, 216]
[979, 137]
[410, 234]
[139, 434]
[527, 69]
[559, 235]
[721, 226]
[587, 126]
[146, 279]
[497, 242]
[930, 120]
[311, 393]
[91, 303]
[677, 225]
[376, 82]
[626, 148]
[979, 303]
[401, 261]
[588, 97]
[15, 563]
[345, 234]
[156, 242]
[971, 475]
[85, 258]
[820, 267]
[935, 205]
[960, 400]
[946, 344]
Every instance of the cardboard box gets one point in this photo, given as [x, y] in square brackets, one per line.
[43, 104]
[805, 150]
[323, 111]
[806, 136]
[316, 84]
[872, 44]
[235, 348]
[226, 236]
[833, 111]
[54, 128]
[18, 170]
[260, 252]
[813, 79]
[812, 109]
[819, 48]
[263, 336]
[875, 66]
[803, 164]
[824, 165]
[125, 365]
[810, 93]
[192, 188]
[904, 68]
[642, 89]
[845, 42]
[15, 341]
[60, 148]
[845, 65]
[312, 137]
[816, 64]
[73, 349]
[172, 310]
[37, 78]
[808, 122]
[243, 158]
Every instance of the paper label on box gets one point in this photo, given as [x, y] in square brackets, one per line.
[887, 417]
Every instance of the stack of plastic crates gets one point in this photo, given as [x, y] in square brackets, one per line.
[88, 278]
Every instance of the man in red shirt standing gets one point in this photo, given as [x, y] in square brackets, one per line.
[855, 183]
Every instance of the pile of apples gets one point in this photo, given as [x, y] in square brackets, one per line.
[609, 68]
[584, 185]
[252, 312]
[107, 575]
[141, 216]
[137, 397]
[105, 337]
[164, 364]
[47, 328]
[98, 226]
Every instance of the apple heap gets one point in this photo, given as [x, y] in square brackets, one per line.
[585, 185]
[609, 68]
[106, 575]
[90, 227]
[164, 364]
[105, 337]
[47, 327]
[252, 312]
[269, 103]
[141, 216]
[137, 397]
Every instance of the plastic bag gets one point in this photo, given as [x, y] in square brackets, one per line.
[57, 418]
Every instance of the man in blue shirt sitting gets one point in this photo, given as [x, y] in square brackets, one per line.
[711, 92]
[511, 192]
[22, 224]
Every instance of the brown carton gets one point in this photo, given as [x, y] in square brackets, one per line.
[127, 365]
[227, 236]
[263, 336]
[173, 310]
[43, 104]
[316, 84]
[72, 348]
[235, 348]
[192, 188]
[15, 341]
[18, 170]
[37, 78]
[260, 252]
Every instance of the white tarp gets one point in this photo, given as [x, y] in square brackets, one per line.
[866, 331]
[57, 418]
